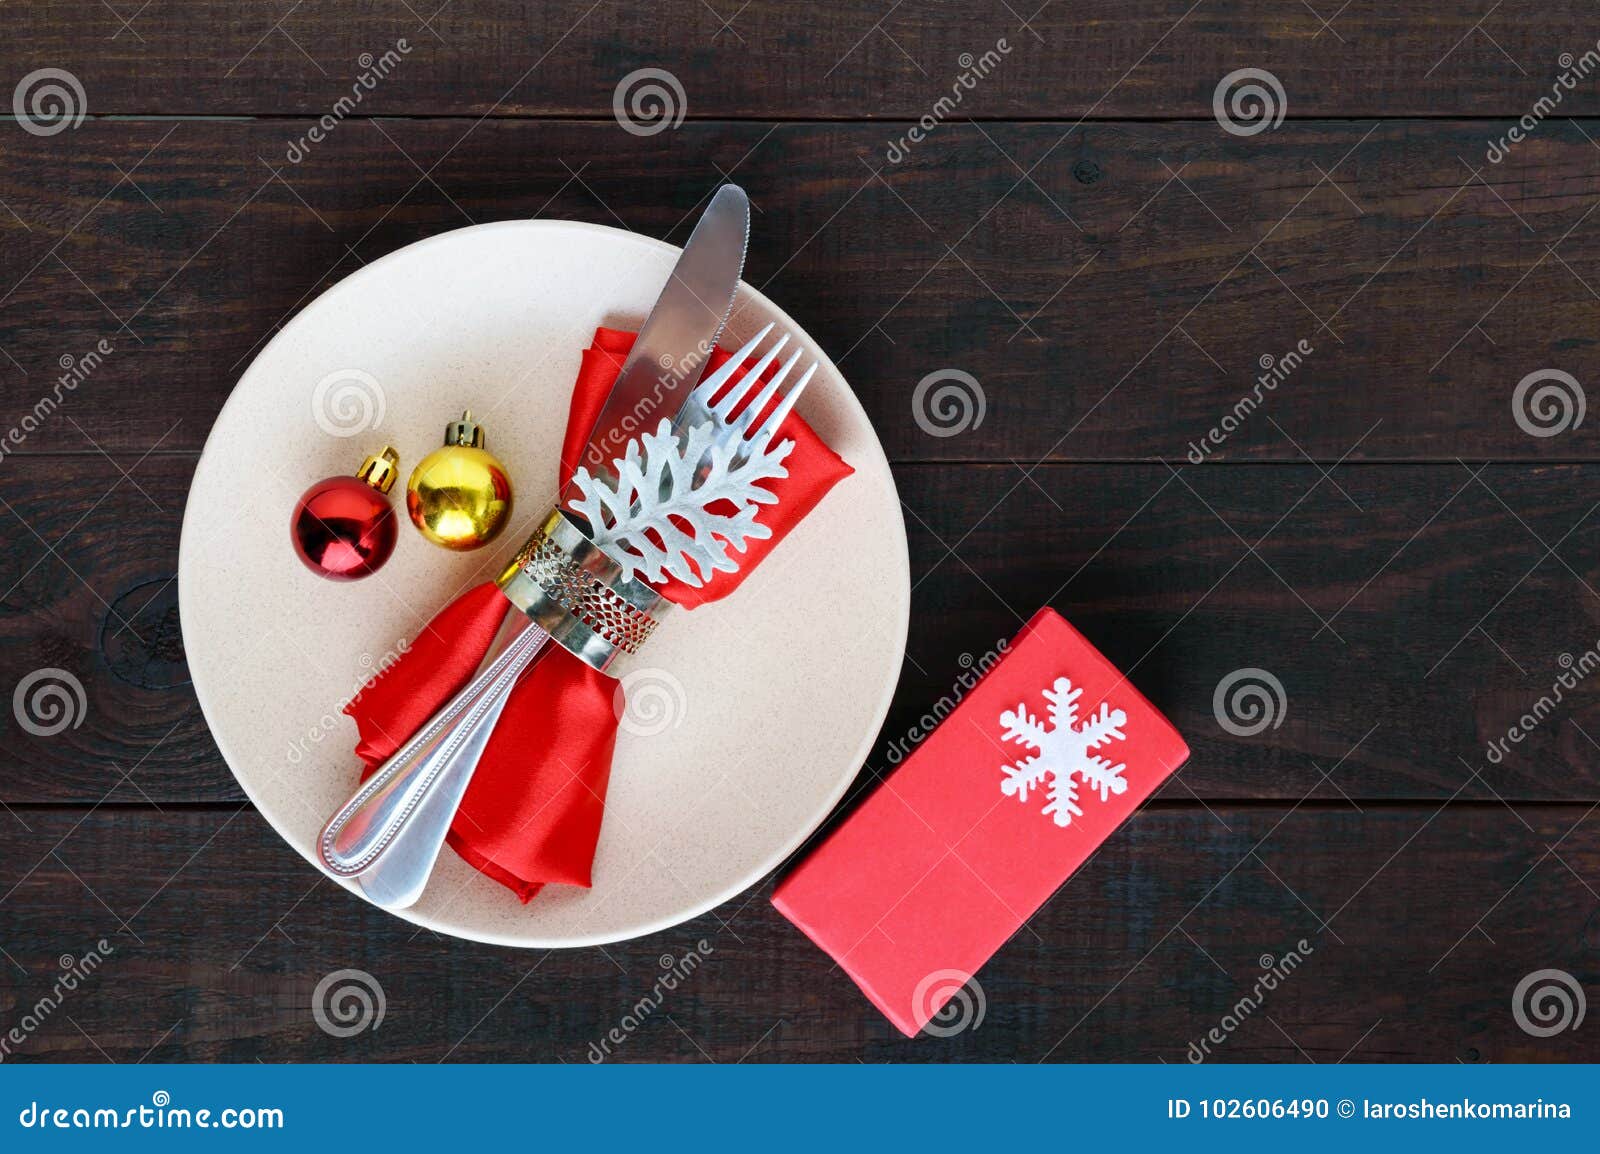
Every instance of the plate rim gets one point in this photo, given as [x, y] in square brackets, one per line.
[813, 821]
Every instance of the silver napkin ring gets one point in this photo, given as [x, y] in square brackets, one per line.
[564, 583]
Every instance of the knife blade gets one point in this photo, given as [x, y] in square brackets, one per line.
[677, 338]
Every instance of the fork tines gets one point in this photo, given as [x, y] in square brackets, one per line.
[739, 398]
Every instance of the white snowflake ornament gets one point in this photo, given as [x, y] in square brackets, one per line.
[1062, 752]
[666, 516]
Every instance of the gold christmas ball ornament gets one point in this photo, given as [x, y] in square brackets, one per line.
[459, 496]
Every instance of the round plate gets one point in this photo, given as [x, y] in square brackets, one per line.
[753, 714]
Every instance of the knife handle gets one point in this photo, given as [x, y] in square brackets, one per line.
[389, 834]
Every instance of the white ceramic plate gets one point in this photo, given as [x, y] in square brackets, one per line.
[773, 694]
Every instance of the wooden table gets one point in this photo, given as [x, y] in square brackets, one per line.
[1389, 532]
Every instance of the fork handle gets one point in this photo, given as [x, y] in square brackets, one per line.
[389, 834]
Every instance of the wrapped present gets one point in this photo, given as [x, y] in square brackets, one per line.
[1037, 766]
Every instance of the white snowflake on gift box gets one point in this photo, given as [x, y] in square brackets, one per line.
[1062, 752]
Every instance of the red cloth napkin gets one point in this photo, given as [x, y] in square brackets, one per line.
[532, 813]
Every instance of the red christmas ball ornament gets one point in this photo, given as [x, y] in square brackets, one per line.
[344, 528]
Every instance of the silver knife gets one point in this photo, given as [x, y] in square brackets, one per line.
[389, 834]
[677, 338]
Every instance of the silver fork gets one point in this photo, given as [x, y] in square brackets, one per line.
[698, 407]
[389, 834]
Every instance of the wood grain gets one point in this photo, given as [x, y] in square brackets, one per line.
[1114, 304]
[1106, 261]
[847, 58]
[1418, 925]
[1412, 613]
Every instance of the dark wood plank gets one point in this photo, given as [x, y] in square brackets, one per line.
[769, 58]
[1413, 614]
[1419, 924]
[1109, 307]
[1110, 265]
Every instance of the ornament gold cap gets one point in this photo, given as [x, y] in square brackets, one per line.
[466, 431]
[380, 469]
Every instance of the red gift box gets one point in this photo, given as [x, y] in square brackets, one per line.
[1037, 766]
